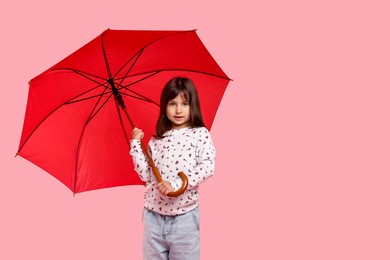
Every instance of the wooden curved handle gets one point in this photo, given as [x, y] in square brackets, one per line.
[154, 168]
[182, 188]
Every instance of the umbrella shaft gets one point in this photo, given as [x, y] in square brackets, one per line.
[116, 93]
[144, 150]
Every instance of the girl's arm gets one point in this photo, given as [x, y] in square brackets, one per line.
[141, 165]
[205, 157]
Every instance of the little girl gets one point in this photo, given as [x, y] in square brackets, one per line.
[182, 144]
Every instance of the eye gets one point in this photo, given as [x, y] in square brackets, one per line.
[186, 103]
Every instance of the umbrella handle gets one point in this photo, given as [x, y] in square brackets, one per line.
[182, 188]
[154, 168]
[159, 178]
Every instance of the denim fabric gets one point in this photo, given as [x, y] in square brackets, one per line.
[171, 237]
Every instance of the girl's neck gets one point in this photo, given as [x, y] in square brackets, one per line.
[180, 127]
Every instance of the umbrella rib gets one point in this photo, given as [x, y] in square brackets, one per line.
[125, 94]
[121, 123]
[147, 45]
[83, 99]
[132, 65]
[83, 74]
[141, 97]
[55, 109]
[105, 56]
[138, 54]
[74, 100]
[135, 82]
[93, 113]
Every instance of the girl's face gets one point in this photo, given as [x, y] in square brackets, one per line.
[178, 112]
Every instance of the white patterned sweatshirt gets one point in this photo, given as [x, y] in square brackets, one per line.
[187, 150]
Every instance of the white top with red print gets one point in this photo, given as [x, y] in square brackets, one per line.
[187, 150]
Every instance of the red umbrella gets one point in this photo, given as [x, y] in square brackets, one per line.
[74, 126]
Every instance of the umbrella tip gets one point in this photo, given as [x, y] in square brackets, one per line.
[74, 194]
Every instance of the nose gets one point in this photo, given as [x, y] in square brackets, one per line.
[178, 109]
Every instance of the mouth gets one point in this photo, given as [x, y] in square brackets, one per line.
[178, 117]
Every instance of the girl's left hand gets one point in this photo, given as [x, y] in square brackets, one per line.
[164, 187]
[137, 134]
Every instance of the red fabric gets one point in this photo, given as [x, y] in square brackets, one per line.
[73, 128]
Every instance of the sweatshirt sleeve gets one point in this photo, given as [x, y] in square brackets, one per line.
[205, 162]
[141, 165]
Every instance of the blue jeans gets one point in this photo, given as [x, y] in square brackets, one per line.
[171, 237]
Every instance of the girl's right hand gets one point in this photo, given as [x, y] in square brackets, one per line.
[137, 134]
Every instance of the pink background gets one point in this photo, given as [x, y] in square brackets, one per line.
[302, 134]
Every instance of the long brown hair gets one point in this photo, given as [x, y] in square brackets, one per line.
[174, 87]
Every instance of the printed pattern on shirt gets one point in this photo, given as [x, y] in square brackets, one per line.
[187, 150]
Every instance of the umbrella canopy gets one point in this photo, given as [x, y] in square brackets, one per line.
[74, 128]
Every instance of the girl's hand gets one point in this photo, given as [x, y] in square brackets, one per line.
[164, 187]
[137, 134]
